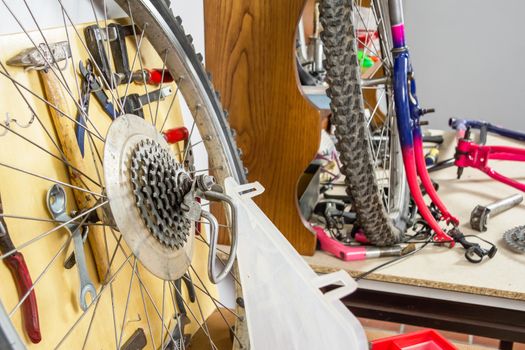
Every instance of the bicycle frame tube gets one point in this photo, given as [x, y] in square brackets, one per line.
[463, 124]
[408, 115]
[470, 154]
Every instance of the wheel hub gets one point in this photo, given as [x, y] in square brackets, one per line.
[145, 186]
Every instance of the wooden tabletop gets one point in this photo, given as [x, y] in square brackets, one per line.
[446, 269]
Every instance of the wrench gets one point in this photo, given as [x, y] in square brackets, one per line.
[56, 204]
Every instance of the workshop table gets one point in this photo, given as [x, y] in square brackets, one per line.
[438, 287]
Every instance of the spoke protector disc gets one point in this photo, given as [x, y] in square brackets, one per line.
[144, 188]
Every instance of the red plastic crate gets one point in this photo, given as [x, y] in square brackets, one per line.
[427, 339]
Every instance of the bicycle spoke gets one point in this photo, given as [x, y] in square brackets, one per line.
[90, 323]
[375, 51]
[97, 299]
[147, 293]
[155, 307]
[51, 105]
[5, 73]
[35, 282]
[111, 292]
[189, 143]
[140, 60]
[68, 164]
[147, 313]
[160, 87]
[52, 69]
[93, 61]
[26, 295]
[162, 314]
[100, 293]
[28, 218]
[206, 222]
[127, 301]
[216, 306]
[72, 59]
[382, 26]
[137, 52]
[94, 151]
[205, 322]
[194, 317]
[53, 62]
[52, 180]
[107, 50]
[178, 314]
[217, 301]
[55, 229]
[173, 99]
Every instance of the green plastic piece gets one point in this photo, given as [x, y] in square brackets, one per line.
[364, 60]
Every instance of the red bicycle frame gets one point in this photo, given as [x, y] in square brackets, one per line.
[470, 154]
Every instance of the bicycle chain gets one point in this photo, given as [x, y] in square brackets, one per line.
[155, 178]
[515, 239]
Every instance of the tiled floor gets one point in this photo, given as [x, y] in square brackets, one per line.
[380, 329]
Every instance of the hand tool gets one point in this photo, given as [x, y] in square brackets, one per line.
[481, 213]
[40, 59]
[17, 265]
[437, 139]
[432, 156]
[137, 341]
[151, 76]
[134, 103]
[96, 38]
[70, 260]
[90, 85]
[176, 135]
[57, 204]
[179, 339]
[515, 239]
[353, 253]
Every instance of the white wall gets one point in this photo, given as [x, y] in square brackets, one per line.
[468, 57]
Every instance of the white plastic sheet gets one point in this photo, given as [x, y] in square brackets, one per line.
[285, 308]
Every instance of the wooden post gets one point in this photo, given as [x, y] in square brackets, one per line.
[250, 51]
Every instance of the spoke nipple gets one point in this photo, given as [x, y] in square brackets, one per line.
[240, 302]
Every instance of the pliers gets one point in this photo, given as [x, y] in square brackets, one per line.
[17, 265]
[90, 84]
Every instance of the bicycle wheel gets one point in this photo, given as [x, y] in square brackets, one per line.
[363, 114]
[138, 198]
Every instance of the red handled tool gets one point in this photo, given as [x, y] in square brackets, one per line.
[18, 267]
[176, 135]
[151, 77]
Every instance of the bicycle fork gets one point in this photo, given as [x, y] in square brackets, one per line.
[408, 114]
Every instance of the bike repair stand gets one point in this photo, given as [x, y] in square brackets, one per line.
[282, 294]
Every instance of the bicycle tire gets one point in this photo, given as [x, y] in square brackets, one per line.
[348, 110]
